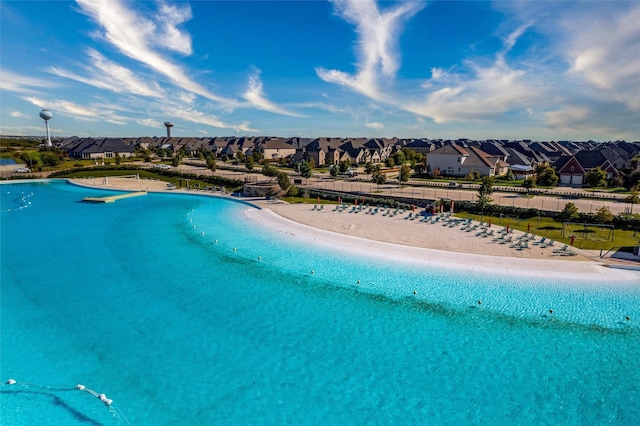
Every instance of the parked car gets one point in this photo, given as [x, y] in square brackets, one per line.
[162, 166]
[454, 185]
[22, 170]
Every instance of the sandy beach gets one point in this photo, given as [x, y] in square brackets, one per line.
[397, 238]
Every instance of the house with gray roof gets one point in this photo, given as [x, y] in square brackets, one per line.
[457, 161]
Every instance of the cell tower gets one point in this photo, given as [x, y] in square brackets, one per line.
[168, 125]
[46, 115]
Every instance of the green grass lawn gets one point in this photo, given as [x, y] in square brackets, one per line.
[546, 227]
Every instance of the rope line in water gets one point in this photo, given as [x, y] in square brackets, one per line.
[115, 412]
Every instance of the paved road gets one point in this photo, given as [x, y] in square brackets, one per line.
[547, 203]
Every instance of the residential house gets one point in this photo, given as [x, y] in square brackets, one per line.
[573, 169]
[454, 160]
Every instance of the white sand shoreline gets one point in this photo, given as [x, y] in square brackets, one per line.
[471, 262]
[399, 240]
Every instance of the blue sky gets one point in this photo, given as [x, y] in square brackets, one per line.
[541, 70]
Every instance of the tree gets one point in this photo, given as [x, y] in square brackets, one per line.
[368, 168]
[484, 192]
[211, 161]
[269, 170]
[472, 175]
[175, 161]
[240, 156]
[603, 215]
[528, 184]
[596, 178]
[546, 176]
[389, 162]
[633, 198]
[569, 212]
[249, 163]
[509, 175]
[118, 158]
[378, 177]
[399, 158]
[344, 166]
[418, 163]
[305, 169]
[283, 180]
[49, 158]
[333, 170]
[405, 172]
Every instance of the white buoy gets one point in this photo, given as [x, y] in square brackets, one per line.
[11, 382]
[259, 257]
[80, 387]
[202, 232]
[234, 249]
[313, 272]
[215, 241]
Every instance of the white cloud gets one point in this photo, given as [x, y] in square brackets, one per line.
[19, 83]
[255, 96]
[375, 125]
[135, 36]
[607, 55]
[18, 114]
[180, 112]
[107, 75]
[377, 34]
[79, 112]
[490, 92]
[170, 37]
[150, 122]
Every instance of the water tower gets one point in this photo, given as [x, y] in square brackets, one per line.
[46, 115]
[168, 125]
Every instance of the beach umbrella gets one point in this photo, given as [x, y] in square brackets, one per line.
[339, 200]
[318, 199]
[528, 227]
[355, 201]
[363, 199]
[451, 206]
[573, 238]
[489, 222]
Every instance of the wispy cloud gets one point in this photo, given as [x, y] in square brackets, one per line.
[20, 83]
[584, 64]
[107, 75]
[19, 114]
[375, 125]
[607, 56]
[256, 97]
[377, 33]
[136, 37]
[483, 94]
[79, 112]
[150, 122]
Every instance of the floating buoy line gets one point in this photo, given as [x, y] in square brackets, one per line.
[106, 401]
[549, 313]
[22, 202]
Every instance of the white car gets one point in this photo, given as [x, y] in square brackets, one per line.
[162, 166]
[22, 170]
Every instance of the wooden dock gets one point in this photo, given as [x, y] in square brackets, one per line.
[113, 198]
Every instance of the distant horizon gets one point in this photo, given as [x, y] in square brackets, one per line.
[552, 70]
[317, 137]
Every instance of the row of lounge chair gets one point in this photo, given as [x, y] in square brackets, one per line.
[481, 230]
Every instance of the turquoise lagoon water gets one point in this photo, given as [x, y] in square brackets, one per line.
[132, 300]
